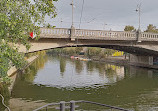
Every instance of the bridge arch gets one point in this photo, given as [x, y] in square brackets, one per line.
[126, 46]
[141, 44]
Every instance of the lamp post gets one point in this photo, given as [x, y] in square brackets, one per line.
[72, 25]
[139, 29]
[139, 13]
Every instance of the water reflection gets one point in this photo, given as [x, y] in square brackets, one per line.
[64, 79]
[62, 66]
[32, 70]
[74, 73]
[79, 66]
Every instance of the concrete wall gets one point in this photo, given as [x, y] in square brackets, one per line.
[12, 70]
[142, 60]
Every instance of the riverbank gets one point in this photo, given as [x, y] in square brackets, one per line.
[120, 60]
[13, 70]
[117, 60]
[123, 61]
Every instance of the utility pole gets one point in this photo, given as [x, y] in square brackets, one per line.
[139, 13]
[139, 28]
[72, 25]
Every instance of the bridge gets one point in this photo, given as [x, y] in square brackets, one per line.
[143, 46]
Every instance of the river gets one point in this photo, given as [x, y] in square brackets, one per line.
[55, 78]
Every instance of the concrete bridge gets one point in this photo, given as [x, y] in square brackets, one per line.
[143, 46]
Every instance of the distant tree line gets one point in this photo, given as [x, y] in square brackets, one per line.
[150, 28]
[66, 51]
[88, 51]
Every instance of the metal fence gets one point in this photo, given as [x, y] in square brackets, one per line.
[72, 105]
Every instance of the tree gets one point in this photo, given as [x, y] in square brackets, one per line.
[129, 28]
[93, 51]
[78, 49]
[17, 20]
[109, 52]
[151, 28]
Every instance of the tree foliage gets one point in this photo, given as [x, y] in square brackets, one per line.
[17, 19]
[129, 28]
[151, 28]
[93, 51]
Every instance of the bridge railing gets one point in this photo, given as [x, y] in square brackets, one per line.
[96, 34]
[55, 33]
[145, 36]
[99, 34]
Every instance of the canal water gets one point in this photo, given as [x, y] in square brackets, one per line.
[55, 78]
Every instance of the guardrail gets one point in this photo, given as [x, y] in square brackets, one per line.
[55, 33]
[149, 36]
[96, 34]
[102, 33]
[72, 106]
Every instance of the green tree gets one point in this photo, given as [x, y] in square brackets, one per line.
[129, 28]
[17, 19]
[78, 49]
[109, 52]
[151, 28]
[93, 51]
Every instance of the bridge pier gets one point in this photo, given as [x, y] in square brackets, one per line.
[72, 34]
[143, 61]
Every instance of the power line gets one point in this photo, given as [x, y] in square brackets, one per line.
[81, 14]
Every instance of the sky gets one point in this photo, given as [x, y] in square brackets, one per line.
[105, 14]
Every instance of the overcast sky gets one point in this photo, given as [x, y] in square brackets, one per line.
[116, 14]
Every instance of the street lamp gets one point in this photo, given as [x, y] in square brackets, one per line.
[139, 13]
[72, 25]
[139, 30]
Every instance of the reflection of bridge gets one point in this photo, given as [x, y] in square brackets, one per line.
[143, 44]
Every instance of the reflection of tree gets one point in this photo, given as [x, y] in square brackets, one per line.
[90, 66]
[79, 66]
[119, 94]
[100, 68]
[110, 71]
[125, 91]
[62, 65]
[5, 92]
[31, 71]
